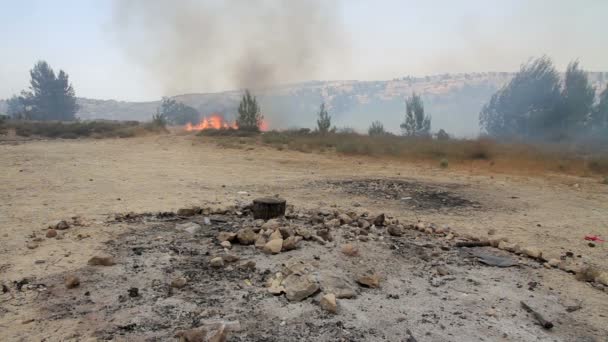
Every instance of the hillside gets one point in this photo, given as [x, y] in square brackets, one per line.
[453, 100]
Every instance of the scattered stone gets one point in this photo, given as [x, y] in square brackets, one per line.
[602, 278]
[226, 236]
[395, 230]
[51, 233]
[190, 227]
[72, 281]
[491, 313]
[31, 245]
[591, 244]
[274, 284]
[101, 261]
[299, 286]
[532, 252]
[491, 231]
[333, 223]
[187, 211]
[133, 292]
[450, 236]
[350, 250]
[442, 270]
[246, 236]
[230, 258]
[192, 335]
[325, 234]
[304, 233]
[369, 280]
[260, 242]
[247, 265]
[276, 235]
[328, 303]
[379, 220]
[274, 246]
[179, 282]
[217, 262]
[345, 219]
[553, 262]
[363, 224]
[290, 243]
[509, 247]
[587, 273]
[226, 244]
[272, 224]
[338, 285]
[59, 225]
[318, 239]
[286, 232]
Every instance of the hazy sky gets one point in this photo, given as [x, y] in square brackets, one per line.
[383, 39]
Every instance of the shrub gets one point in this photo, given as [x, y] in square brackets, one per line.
[605, 180]
[443, 163]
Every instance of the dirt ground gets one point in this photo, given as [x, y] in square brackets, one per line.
[42, 181]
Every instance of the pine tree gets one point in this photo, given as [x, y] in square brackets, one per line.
[376, 129]
[416, 122]
[577, 96]
[50, 97]
[324, 120]
[177, 113]
[599, 118]
[250, 118]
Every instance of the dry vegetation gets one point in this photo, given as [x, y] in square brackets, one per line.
[483, 153]
[80, 129]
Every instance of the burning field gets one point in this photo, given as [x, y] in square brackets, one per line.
[217, 122]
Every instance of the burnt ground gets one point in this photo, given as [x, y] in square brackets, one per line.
[411, 194]
[437, 291]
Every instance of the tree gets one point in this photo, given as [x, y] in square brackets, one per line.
[527, 105]
[443, 135]
[177, 113]
[250, 118]
[324, 120]
[577, 96]
[599, 116]
[16, 107]
[416, 123]
[376, 129]
[50, 96]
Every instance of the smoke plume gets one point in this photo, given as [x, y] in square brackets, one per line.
[213, 45]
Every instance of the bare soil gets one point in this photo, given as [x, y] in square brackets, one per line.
[42, 181]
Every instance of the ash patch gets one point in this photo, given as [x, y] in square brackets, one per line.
[412, 194]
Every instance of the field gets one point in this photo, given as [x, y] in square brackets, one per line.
[93, 179]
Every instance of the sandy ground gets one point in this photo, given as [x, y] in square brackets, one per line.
[43, 181]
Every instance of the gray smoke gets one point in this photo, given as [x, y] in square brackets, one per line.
[213, 45]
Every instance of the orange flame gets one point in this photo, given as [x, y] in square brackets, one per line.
[216, 121]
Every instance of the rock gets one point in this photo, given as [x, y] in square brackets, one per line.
[230, 258]
[273, 246]
[429, 230]
[602, 278]
[260, 242]
[226, 244]
[31, 245]
[188, 211]
[317, 219]
[450, 236]
[192, 335]
[275, 286]
[101, 261]
[587, 273]
[509, 247]
[276, 235]
[246, 236]
[532, 252]
[287, 232]
[179, 282]
[318, 239]
[370, 280]
[553, 262]
[59, 225]
[333, 223]
[51, 233]
[363, 224]
[325, 234]
[395, 230]
[338, 285]
[491, 231]
[420, 226]
[442, 270]
[190, 227]
[247, 265]
[379, 220]
[491, 313]
[290, 243]
[226, 236]
[218, 335]
[299, 286]
[350, 250]
[304, 233]
[72, 281]
[328, 303]
[217, 262]
[345, 219]
[272, 224]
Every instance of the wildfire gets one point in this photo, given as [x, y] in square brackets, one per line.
[216, 121]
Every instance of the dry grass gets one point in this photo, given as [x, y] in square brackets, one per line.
[478, 154]
[78, 129]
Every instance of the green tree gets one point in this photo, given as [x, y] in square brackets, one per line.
[249, 118]
[443, 135]
[416, 122]
[324, 120]
[599, 117]
[376, 129]
[177, 113]
[16, 107]
[527, 106]
[50, 96]
[578, 97]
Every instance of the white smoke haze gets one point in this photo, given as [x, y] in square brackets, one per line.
[210, 45]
